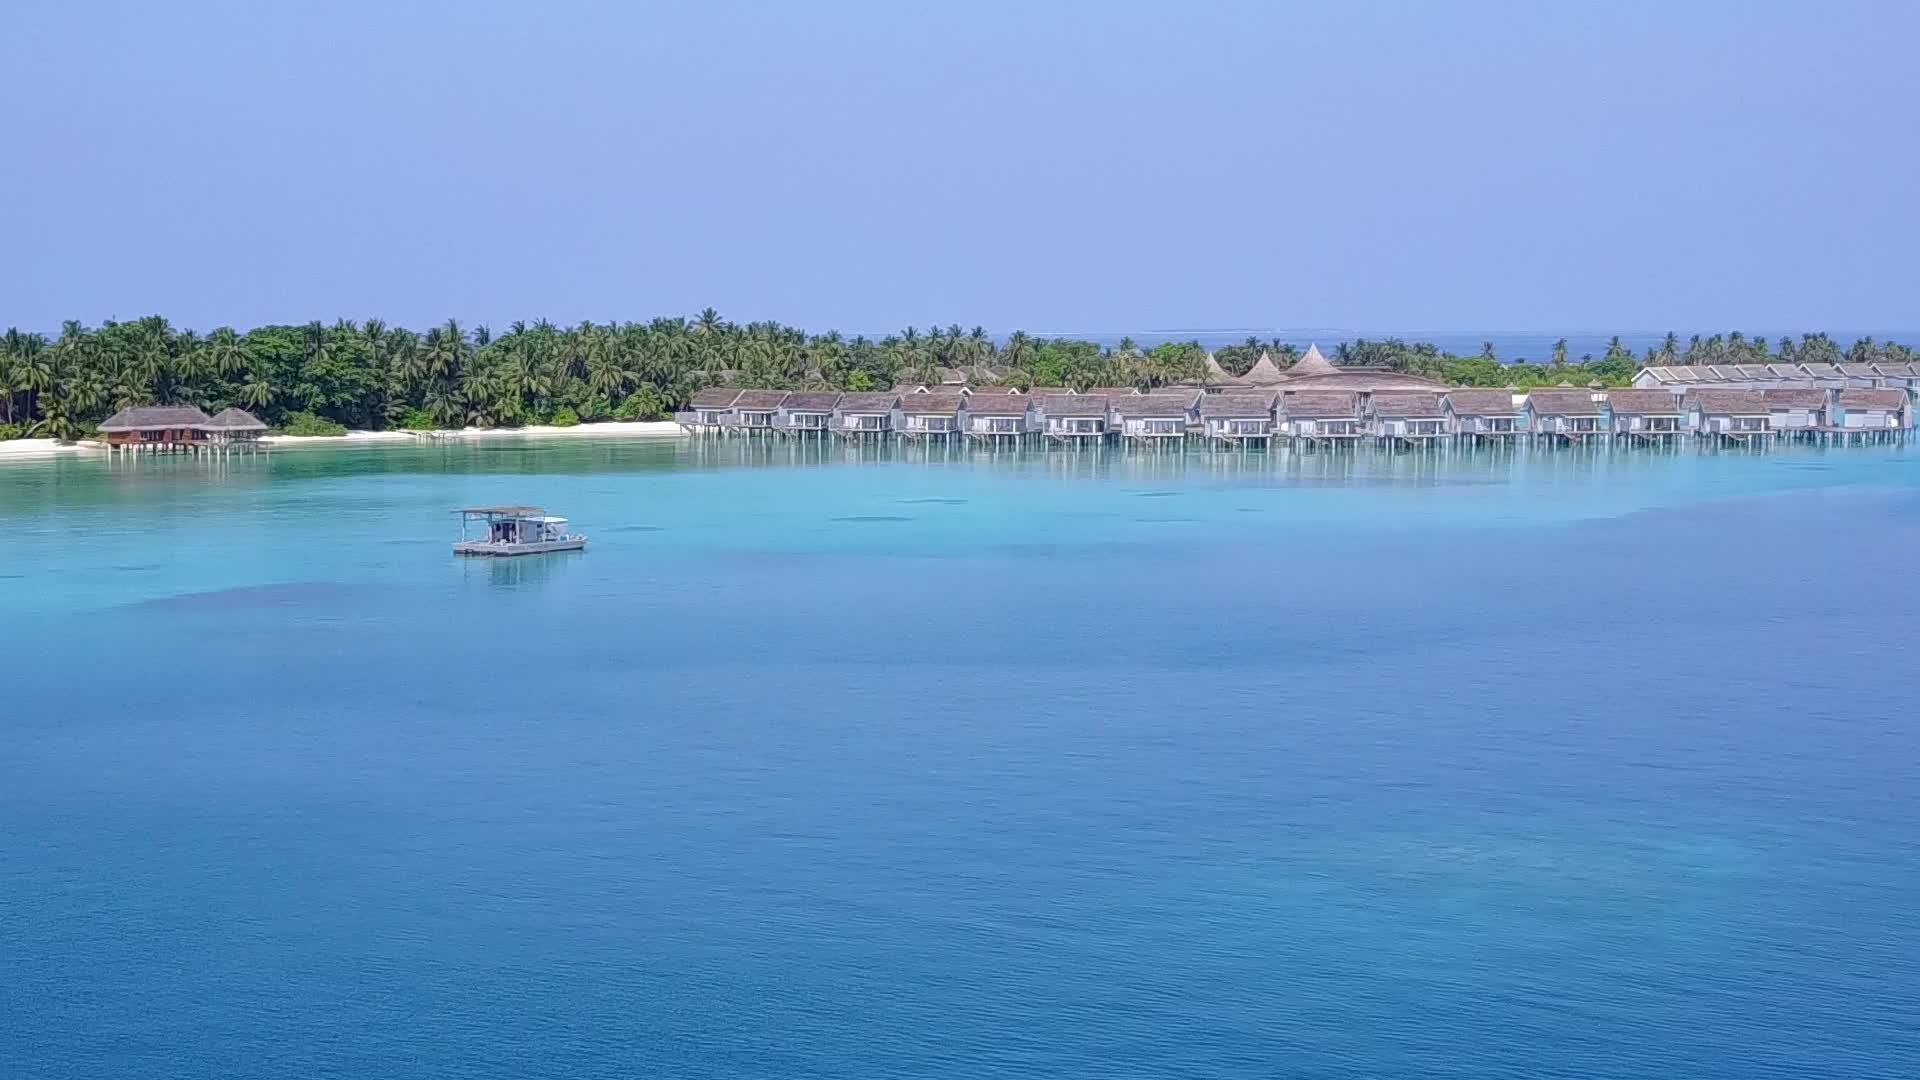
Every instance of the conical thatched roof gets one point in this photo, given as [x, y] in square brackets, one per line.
[233, 420]
[1263, 373]
[1311, 364]
[1215, 371]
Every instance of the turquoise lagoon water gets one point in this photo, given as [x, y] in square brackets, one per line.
[907, 764]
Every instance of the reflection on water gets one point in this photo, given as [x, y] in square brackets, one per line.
[519, 571]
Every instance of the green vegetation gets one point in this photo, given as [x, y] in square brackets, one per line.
[306, 423]
[323, 379]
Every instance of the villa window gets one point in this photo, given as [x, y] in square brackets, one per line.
[1161, 427]
[809, 420]
[1000, 425]
[756, 419]
[1499, 423]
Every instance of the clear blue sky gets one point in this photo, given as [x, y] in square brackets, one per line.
[1052, 165]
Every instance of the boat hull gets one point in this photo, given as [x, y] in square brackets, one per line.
[481, 547]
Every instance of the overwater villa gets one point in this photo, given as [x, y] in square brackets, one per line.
[1824, 376]
[1322, 417]
[1073, 418]
[807, 412]
[996, 418]
[865, 416]
[1151, 418]
[1795, 413]
[931, 416]
[1655, 416]
[1860, 376]
[1870, 415]
[753, 412]
[1488, 416]
[1402, 419]
[1566, 416]
[708, 410]
[514, 530]
[1239, 418]
[155, 429]
[1731, 416]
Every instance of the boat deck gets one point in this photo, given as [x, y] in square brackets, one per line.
[482, 547]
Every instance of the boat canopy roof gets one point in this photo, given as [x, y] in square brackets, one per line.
[503, 511]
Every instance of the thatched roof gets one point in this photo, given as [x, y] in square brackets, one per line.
[1563, 403]
[1158, 406]
[1482, 402]
[1264, 372]
[1321, 405]
[1821, 371]
[1801, 397]
[1407, 405]
[1887, 400]
[867, 403]
[1898, 371]
[1785, 371]
[759, 400]
[1313, 363]
[719, 397]
[1645, 402]
[1728, 372]
[1858, 371]
[1216, 373]
[231, 419]
[1236, 406]
[1731, 402]
[951, 376]
[941, 404]
[817, 401]
[155, 417]
[1755, 371]
[1363, 380]
[1073, 405]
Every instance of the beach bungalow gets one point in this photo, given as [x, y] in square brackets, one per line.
[1410, 419]
[1655, 416]
[1322, 417]
[931, 416]
[753, 412]
[233, 430]
[1484, 415]
[865, 416]
[1796, 413]
[156, 429]
[996, 418]
[708, 410]
[806, 412]
[1732, 416]
[1073, 418]
[1151, 419]
[1566, 415]
[1237, 418]
[1871, 415]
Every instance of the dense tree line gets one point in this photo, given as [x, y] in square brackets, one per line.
[370, 375]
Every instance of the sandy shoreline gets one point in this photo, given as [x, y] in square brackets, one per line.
[42, 449]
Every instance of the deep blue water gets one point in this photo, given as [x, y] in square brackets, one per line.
[1081, 766]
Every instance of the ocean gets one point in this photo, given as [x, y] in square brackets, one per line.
[917, 764]
[1511, 346]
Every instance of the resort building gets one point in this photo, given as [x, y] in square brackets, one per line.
[865, 416]
[1150, 418]
[997, 418]
[156, 429]
[233, 430]
[1860, 376]
[931, 416]
[1795, 413]
[1484, 415]
[1648, 415]
[807, 412]
[1731, 415]
[1566, 415]
[1860, 414]
[1410, 419]
[708, 410]
[1265, 373]
[753, 412]
[1329, 417]
[1239, 418]
[1074, 417]
[1824, 376]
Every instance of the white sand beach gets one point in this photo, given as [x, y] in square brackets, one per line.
[41, 449]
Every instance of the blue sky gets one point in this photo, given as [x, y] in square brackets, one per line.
[1048, 164]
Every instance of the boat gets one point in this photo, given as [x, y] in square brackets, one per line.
[515, 530]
